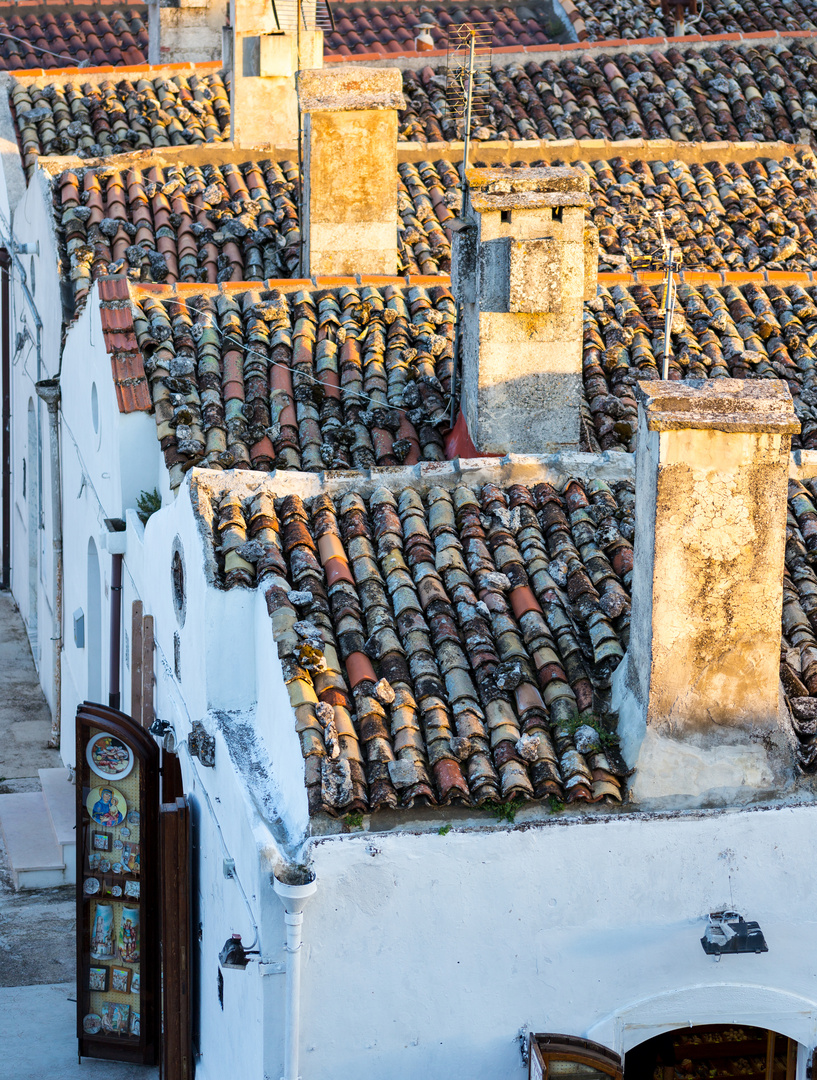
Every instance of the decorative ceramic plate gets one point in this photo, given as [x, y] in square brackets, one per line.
[118, 845]
[132, 889]
[106, 805]
[92, 1024]
[90, 886]
[124, 832]
[117, 867]
[104, 866]
[133, 817]
[116, 890]
[109, 757]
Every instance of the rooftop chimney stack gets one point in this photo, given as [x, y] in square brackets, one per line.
[700, 706]
[185, 31]
[350, 166]
[524, 261]
[265, 55]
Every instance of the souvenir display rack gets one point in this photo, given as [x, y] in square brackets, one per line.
[721, 1052]
[118, 958]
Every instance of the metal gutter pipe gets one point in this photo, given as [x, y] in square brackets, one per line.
[5, 378]
[49, 391]
[294, 898]
[114, 696]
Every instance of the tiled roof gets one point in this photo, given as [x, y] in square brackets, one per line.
[742, 92]
[36, 36]
[723, 216]
[113, 117]
[312, 380]
[641, 19]
[127, 367]
[798, 667]
[392, 28]
[743, 331]
[449, 647]
[223, 223]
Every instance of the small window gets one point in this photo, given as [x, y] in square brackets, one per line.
[24, 477]
[557, 213]
[177, 656]
[506, 216]
[33, 279]
[565, 1057]
[95, 408]
[220, 988]
[177, 581]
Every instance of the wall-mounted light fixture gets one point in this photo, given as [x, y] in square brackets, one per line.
[729, 932]
[234, 955]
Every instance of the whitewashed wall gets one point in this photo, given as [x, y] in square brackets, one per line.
[31, 535]
[107, 459]
[426, 954]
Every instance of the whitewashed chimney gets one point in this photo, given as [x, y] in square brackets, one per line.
[350, 169]
[524, 262]
[265, 55]
[700, 705]
[185, 31]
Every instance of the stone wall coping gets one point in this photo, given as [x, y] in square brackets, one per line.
[546, 179]
[527, 200]
[748, 405]
[348, 89]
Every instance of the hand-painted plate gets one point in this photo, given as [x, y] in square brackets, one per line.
[90, 886]
[116, 890]
[117, 867]
[133, 817]
[92, 1024]
[109, 757]
[124, 832]
[105, 866]
[118, 845]
[106, 805]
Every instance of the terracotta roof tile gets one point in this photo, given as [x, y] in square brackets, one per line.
[798, 661]
[112, 117]
[362, 29]
[116, 316]
[722, 92]
[228, 223]
[40, 36]
[452, 646]
[743, 331]
[330, 378]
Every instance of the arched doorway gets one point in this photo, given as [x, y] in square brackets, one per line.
[713, 1052]
[94, 634]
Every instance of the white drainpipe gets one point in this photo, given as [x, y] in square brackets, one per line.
[294, 898]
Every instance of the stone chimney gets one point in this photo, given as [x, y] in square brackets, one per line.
[265, 55]
[700, 707]
[185, 31]
[524, 261]
[349, 118]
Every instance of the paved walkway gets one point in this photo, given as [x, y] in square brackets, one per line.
[38, 1039]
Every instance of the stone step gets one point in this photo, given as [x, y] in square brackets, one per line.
[35, 857]
[60, 800]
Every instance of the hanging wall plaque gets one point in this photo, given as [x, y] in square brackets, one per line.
[118, 952]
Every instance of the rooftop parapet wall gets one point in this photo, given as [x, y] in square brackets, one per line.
[701, 686]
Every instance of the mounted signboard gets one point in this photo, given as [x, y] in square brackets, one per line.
[118, 956]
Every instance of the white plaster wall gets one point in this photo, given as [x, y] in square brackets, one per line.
[426, 954]
[103, 471]
[34, 589]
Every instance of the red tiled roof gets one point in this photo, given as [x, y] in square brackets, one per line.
[59, 35]
[116, 315]
[447, 645]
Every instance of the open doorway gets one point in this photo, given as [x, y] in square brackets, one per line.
[714, 1052]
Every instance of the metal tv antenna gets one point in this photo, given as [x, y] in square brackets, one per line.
[466, 95]
[296, 15]
[671, 266]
